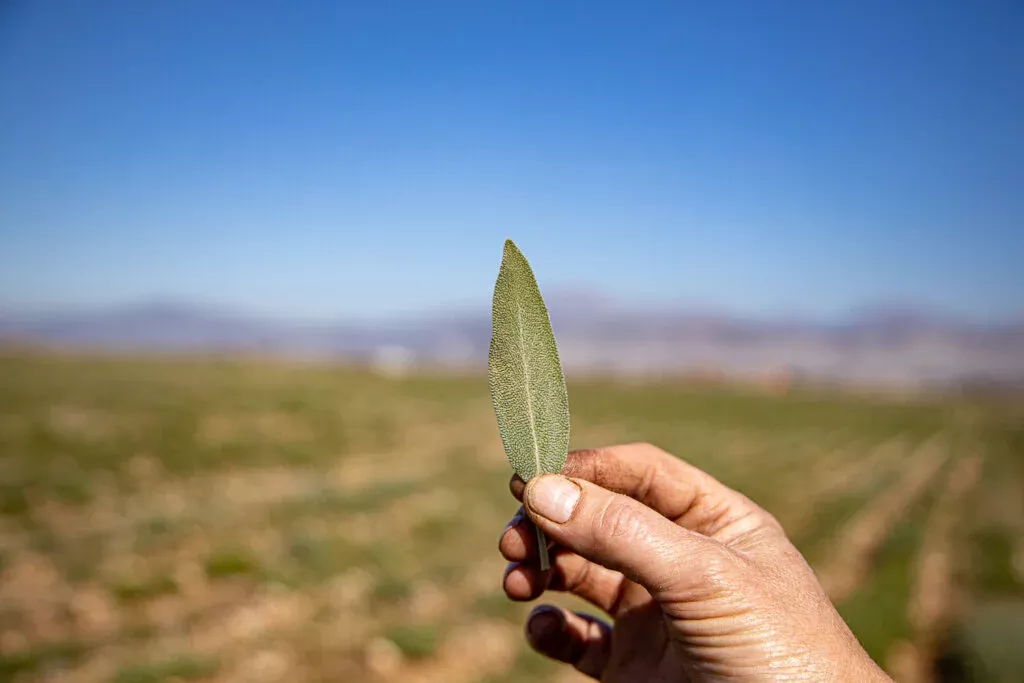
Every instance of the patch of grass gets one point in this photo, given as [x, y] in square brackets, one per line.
[390, 588]
[661, 408]
[416, 641]
[158, 526]
[73, 489]
[996, 574]
[182, 667]
[331, 501]
[385, 556]
[14, 499]
[226, 562]
[319, 558]
[436, 529]
[153, 533]
[53, 656]
[134, 591]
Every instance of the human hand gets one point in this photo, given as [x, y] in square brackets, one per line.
[701, 583]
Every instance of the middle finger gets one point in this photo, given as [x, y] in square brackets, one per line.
[569, 573]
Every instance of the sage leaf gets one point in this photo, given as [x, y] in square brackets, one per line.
[526, 379]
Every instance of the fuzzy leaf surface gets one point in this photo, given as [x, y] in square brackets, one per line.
[526, 379]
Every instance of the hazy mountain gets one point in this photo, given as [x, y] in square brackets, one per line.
[876, 345]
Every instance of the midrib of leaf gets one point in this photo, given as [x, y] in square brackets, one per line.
[526, 382]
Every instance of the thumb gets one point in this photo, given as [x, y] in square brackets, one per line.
[622, 534]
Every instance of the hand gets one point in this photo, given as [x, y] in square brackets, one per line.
[701, 583]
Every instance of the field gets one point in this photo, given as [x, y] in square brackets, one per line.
[248, 520]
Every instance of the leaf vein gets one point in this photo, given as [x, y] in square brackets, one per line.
[526, 386]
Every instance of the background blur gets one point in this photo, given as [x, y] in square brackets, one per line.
[246, 260]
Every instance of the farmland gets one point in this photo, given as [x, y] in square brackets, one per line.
[210, 519]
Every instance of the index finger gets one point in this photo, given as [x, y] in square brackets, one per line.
[679, 491]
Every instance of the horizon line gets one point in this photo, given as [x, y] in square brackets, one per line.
[594, 301]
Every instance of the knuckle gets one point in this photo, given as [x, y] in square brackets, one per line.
[617, 519]
[711, 573]
[582, 463]
[771, 522]
[717, 566]
[573, 580]
[648, 446]
[721, 572]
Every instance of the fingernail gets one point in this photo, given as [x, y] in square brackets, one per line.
[544, 621]
[555, 497]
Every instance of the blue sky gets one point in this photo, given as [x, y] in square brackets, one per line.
[317, 160]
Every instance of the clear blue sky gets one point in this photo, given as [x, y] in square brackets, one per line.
[367, 159]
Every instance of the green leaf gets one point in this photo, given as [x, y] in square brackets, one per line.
[527, 384]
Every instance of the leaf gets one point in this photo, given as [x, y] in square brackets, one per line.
[526, 379]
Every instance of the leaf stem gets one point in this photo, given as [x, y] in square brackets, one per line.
[542, 549]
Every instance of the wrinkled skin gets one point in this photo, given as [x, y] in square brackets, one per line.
[700, 583]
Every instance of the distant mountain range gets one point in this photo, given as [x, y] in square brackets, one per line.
[895, 346]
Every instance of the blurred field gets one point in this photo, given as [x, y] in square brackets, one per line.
[215, 520]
